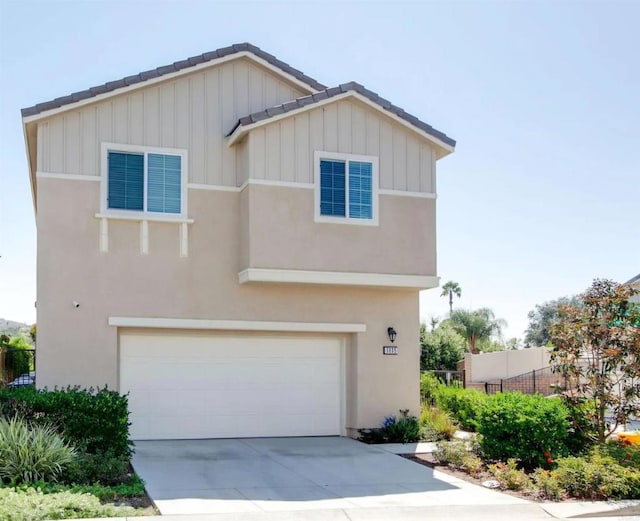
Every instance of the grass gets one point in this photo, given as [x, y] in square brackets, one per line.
[103, 493]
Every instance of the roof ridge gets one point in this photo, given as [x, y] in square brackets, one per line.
[331, 92]
[162, 70]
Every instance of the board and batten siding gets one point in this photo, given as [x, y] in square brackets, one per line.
[284, 149]
[194, 112]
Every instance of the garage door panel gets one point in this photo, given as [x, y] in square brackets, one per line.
[198, 386]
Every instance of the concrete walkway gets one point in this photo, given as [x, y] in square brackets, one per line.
[528, 512]
[295, 474]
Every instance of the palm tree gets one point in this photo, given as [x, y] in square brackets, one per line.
[451, 288]
[476, 326]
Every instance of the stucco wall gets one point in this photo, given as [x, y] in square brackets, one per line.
[77, 346]
[280, 232]
[486, 367]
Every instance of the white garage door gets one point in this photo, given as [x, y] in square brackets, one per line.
[204, 386]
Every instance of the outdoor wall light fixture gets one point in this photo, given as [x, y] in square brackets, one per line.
[392, 334]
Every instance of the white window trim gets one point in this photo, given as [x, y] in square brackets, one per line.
[137, 214]
[317, 157]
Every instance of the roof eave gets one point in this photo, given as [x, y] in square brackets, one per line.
[29, 114]
[240, 130]
[31, 167]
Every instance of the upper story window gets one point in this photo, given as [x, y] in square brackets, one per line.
[144, 179]
[346, 188]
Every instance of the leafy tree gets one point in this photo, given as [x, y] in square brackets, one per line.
[32, 333]
[450, 289]
[597, 349]
[490, 346]
[17, 358]
[542, 318]
[433, 322]
[476, 326]
[513, 344]
[441, 348]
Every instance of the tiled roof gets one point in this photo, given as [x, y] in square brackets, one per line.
[634, 279]
[335, 91]
[168, 69]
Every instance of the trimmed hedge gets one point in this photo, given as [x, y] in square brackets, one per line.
[463, 404]
[530, 428]
[94, 421]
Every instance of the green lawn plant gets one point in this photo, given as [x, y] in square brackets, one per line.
[509, 475]
[436, 424]
[404, 428]
[597, 477]
[456, 454]
[34, 505]
[30, 453]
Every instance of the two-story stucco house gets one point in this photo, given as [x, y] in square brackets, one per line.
[229, 241]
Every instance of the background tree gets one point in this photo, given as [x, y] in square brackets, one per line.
[433, 322]
[597, 349]
[440, 349]
[542, 318]
[450, 289]
[513, 344]
[477, 326]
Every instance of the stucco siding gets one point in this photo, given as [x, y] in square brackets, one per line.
[194, 112]
[283, 150]
[283, 235]
[77, 346]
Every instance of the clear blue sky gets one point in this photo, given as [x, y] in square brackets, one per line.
[543, 192]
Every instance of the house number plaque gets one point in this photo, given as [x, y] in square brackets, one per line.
[389, 350]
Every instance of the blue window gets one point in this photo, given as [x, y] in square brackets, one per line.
[144, 181]
[346, 189]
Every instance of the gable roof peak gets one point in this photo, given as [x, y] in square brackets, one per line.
[172, 68]
[343, 88]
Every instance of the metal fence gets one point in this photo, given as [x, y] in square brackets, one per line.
[17, 366]
[543, 381]
[452, 378]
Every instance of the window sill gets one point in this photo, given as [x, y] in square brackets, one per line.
[140, 216]
[345, 220]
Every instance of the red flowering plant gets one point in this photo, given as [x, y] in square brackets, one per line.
[549, 460]
[624, 453]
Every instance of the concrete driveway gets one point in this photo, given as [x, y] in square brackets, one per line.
[280, 474]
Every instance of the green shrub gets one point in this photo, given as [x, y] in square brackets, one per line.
[450, 453]
[529, 428]
[456, 454]
[472, 464]
[463, 404]
[95, 421]
[545, 485]
[104, 468]
[436, 424]
[509, 475]
[33, 505]
[31, 453]
[429, 386]
[402, 429]
[597, 476]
